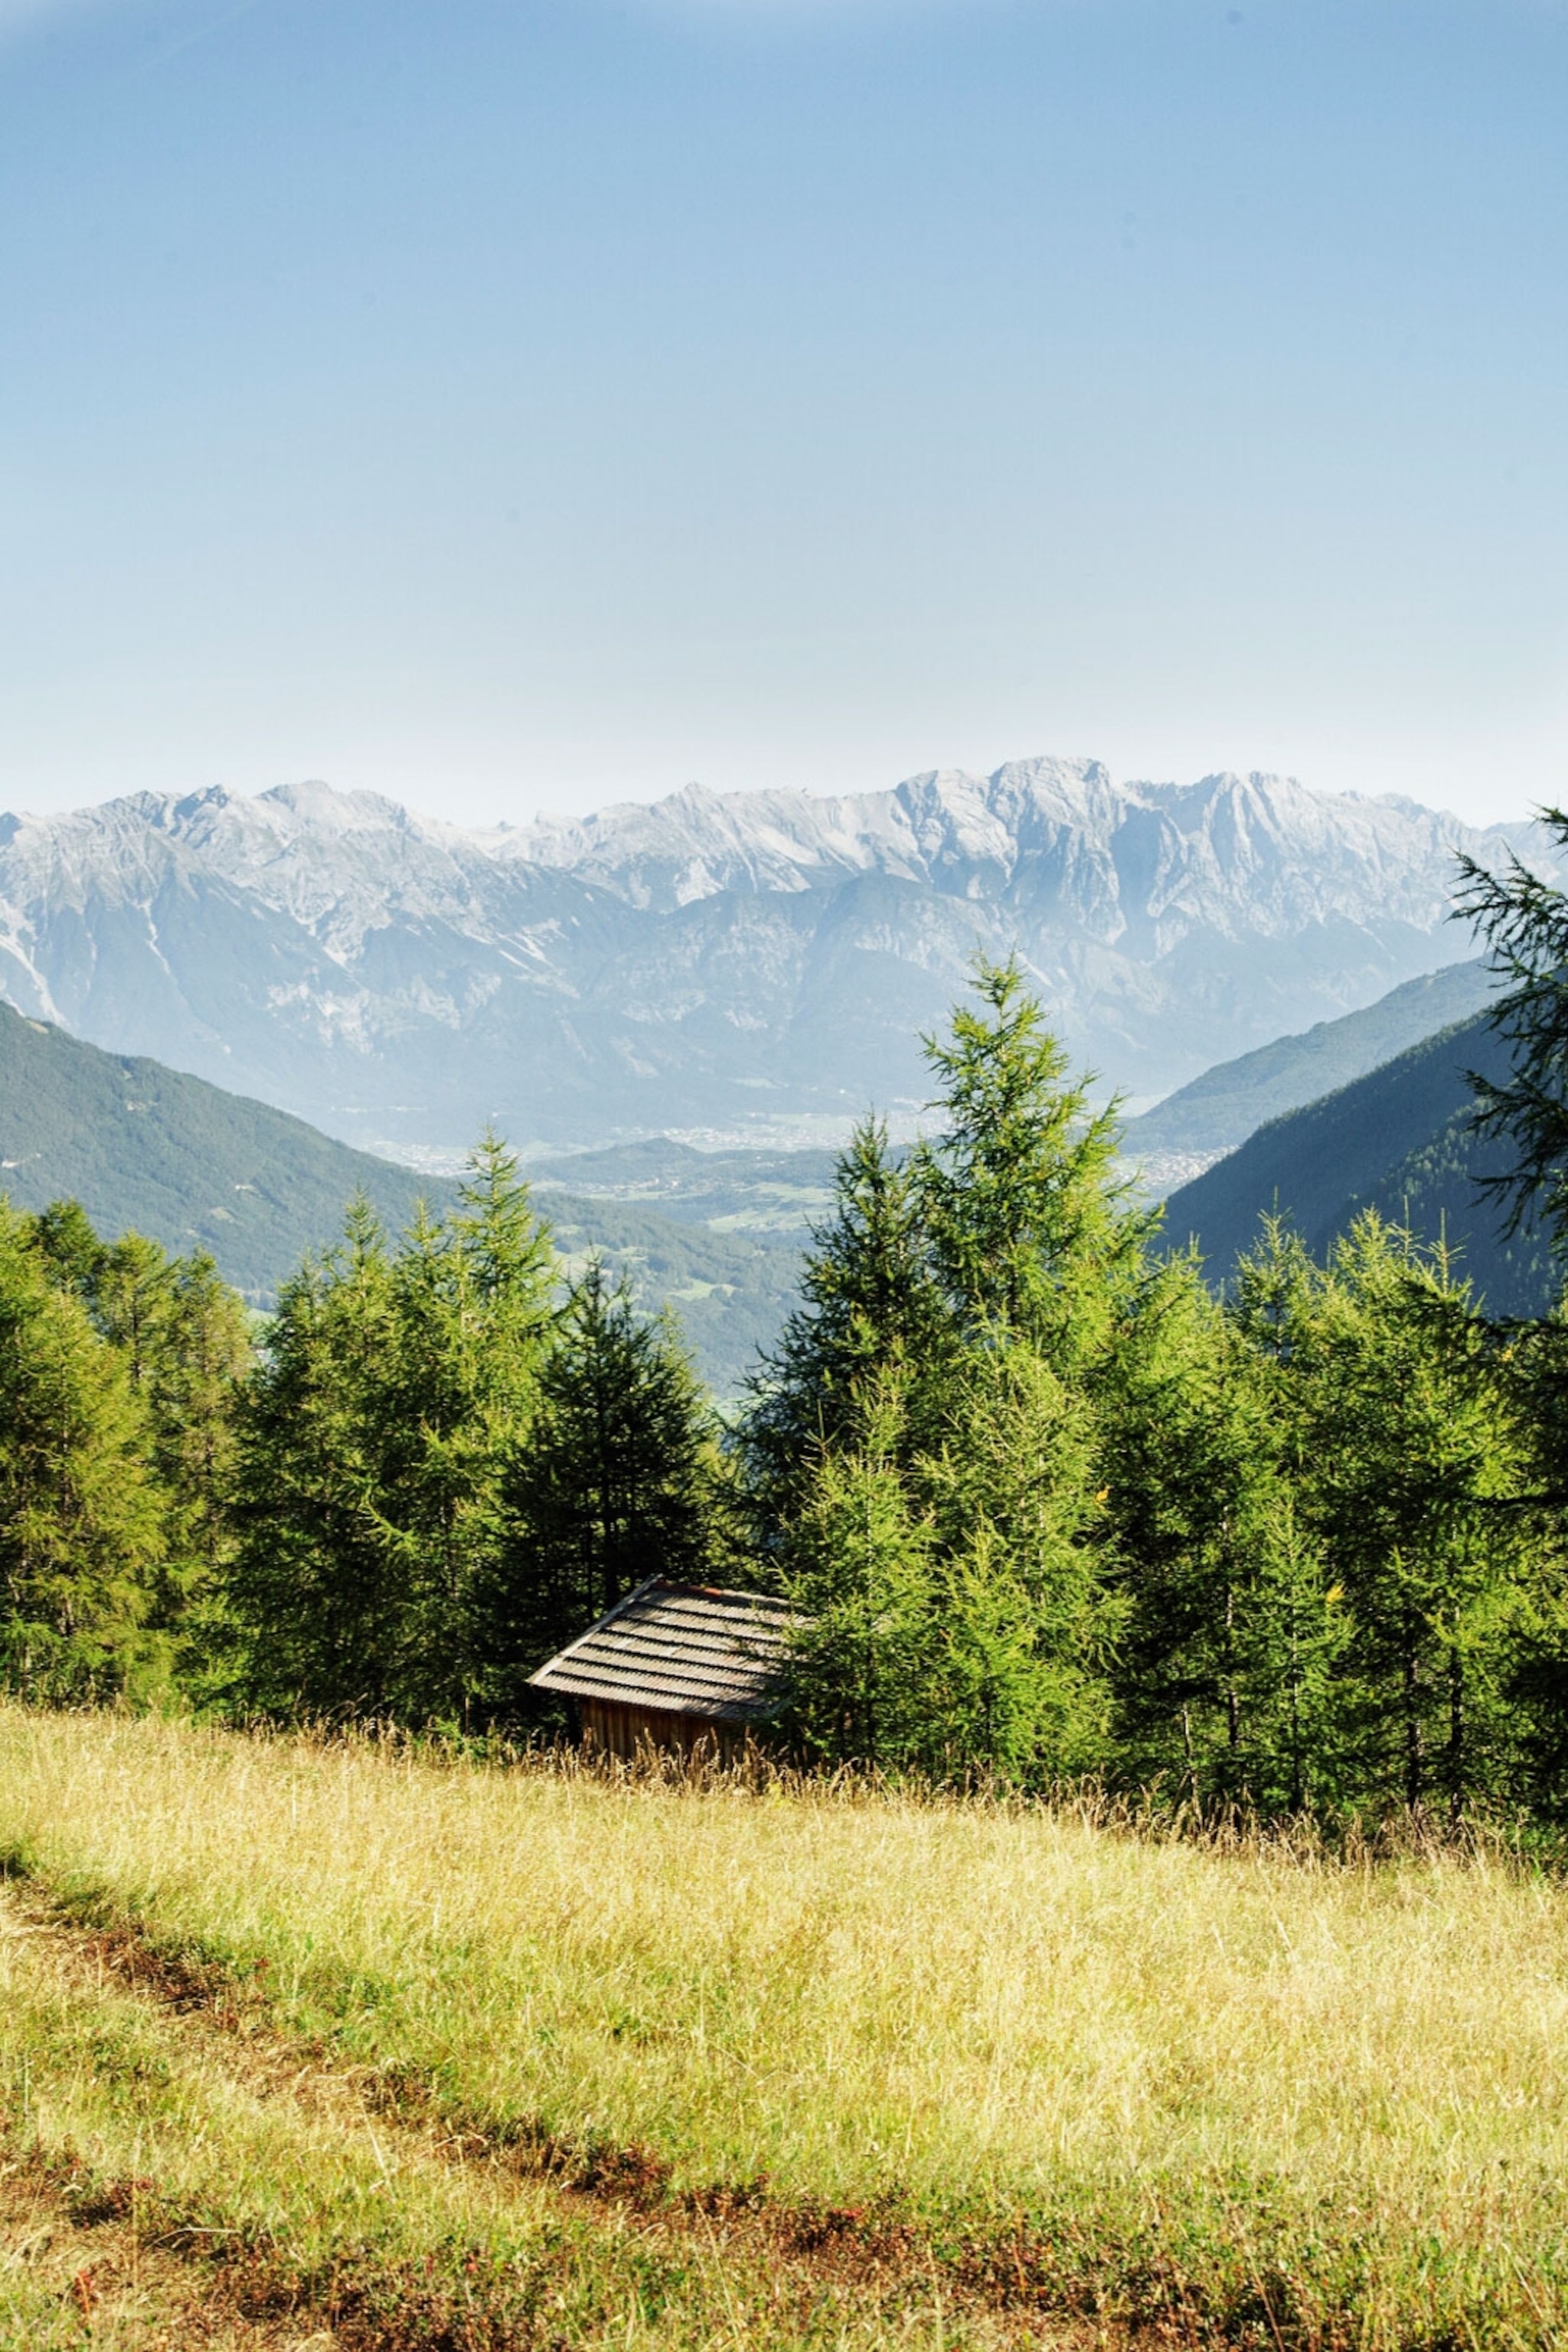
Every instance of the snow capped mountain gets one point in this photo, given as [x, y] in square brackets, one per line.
[1265, 847]
[715, 961]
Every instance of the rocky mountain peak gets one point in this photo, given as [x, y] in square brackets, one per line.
[714, 958]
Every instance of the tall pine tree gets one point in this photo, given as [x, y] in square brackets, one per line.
[620, 1477]
[937, 1392]
[316, 1591]
[396, 1389]
[80, 1516]
[1405, 1452]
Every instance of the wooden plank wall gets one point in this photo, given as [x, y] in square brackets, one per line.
[629, 1732]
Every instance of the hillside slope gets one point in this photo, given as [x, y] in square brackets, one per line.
[140, 1146]
[837, 2072]
[755, 966]
[1396, 1139]
[1217, 1112]
[144, 1147]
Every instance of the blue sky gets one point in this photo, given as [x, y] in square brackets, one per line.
[522, 404]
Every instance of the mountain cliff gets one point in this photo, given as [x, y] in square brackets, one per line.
[754, 964]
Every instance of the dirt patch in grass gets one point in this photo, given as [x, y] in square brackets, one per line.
[81, 2262]
[877, 2245]
[128, 2268]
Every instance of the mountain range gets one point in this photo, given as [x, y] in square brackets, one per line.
[718, 1234]
[750, 966]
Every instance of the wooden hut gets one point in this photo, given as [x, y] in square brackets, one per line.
[684, 1668]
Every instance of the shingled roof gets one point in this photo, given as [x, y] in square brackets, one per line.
[679, 1649]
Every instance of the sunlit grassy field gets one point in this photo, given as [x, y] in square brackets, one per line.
[1043, 2073]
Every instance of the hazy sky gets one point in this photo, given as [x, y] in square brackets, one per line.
[522, 404]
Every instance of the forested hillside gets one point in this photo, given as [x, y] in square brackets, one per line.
[1217, 1112]
[1398, 1140]
[196, 1168]
[155, 1151]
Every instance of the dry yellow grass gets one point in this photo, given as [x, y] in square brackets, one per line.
[1311, 2103]
[175, 2176]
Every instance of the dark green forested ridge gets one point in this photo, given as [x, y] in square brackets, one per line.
[1218, 1110]
[1399, 1140]
[144, 1147]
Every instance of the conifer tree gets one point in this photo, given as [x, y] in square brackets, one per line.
[1524, 920]
[936, 1392]
[395, 1388]
[80, 1515]
[619, 1478]
[315, 1589]
[1028, 1223]
[868, 1300]
[179, 1335]
[64, 1237]
[1406, 1453]
[858, 1561]
[1530, 1361]
[1230, 1635]
[182, 1335]
[1027, 1624]
[472, 1316]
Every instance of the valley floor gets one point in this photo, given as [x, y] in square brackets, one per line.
[333, 2045]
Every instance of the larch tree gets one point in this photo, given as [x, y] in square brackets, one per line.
[80, 1516]
[935, 1392]
[869, 1299]
[1406, 1451]
[315, 1589]
[392, 1392]
[620, 1477]
[1229, 1634]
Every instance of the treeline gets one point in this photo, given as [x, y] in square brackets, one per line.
[435, 1464]
[1056, 1511]
[1047, 1507]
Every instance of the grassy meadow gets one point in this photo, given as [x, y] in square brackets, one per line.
[528, 2056]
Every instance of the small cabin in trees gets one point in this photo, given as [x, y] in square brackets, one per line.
[680, 1668]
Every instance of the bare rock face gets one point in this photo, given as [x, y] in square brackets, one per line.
[740, 962]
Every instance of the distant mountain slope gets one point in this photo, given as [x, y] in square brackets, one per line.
[1220, 1109]
[730, 1291]
[744, 964]
[1396, 1139]
[143, 1147]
